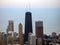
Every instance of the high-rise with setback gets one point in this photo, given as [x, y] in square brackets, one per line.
[10, 28]
[10, 32]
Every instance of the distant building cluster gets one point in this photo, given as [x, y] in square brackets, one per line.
[28, 38]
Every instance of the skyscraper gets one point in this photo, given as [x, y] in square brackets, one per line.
[10, 25]
[28, 25]
[20, 34]
[31, 39]
[10, 32]
[10, 28]
[39, 29]
[39, 32]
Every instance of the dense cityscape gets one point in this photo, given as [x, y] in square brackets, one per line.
[28, 38]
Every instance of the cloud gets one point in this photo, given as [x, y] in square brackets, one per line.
[33, 3]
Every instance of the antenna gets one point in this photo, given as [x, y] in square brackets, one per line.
[28, 6]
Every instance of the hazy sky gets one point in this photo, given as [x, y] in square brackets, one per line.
[33, 3]
[47, 11]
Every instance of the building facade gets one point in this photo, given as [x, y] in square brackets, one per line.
[39, 32]
[31, 39]
[20, 34]
[28, 25]
[39, 29]
[10, 32]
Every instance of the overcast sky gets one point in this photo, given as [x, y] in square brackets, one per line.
[46, 10]
[33, 3]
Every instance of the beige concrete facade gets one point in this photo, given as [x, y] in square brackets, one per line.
[16, 44]
[20, 34]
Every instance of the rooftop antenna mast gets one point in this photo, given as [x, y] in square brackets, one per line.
[28, 6]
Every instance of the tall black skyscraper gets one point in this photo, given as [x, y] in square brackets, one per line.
[28, 25]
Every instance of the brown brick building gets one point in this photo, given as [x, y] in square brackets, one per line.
[39, 29]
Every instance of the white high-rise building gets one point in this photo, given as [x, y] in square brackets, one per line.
[31, 39]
